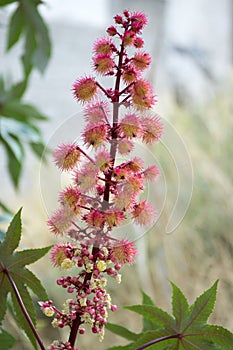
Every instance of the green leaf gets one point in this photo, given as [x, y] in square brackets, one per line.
[146, 299]
[215, 336]
[202, 307]
[29, 49]
[147, 324]
[6, 340]
[180, 307]
[155, 314]
[5, 287]
[21, 320]
[14, 167]
[12, 238]
[40, 51]
[122, 331]
[123, 347]
[17, 90]
[16, 109]
[188, 329]
[39, 149]
[32, 282]
[12, 268]
[26, 257]
[6, 2]
[16, 25]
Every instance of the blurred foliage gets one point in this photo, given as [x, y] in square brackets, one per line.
[208, 133]
[19, 120]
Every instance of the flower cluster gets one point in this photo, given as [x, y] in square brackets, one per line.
[104, 192]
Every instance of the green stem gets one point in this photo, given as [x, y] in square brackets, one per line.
[23, 308]
[158, 340]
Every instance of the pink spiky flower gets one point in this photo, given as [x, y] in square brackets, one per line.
[152, 129]
[85, 89]
[139, 21]
[104, 46]
[66, 156]
[95, 135]
[143, 213]
[61, 221]
[142, 94]
[60, 252]
[151, 173]
[103, 63]
[141, 61]
[130, 126]
[130, 75]
[97, 112]
[124, 252]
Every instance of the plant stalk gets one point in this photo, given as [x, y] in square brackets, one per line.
[113, 149]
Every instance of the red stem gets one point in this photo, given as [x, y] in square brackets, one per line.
[22, 306]
[158, 340]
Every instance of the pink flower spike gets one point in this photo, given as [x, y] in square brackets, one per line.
[86, 177]
[151, 173]
[97, 112]
[138, 42]
[85, 89]
[114, 218]
[130, 126]
[71, 196]
[135, 165]
[142, 94]
[61, 221]
[129, 37]
[129, 75]
[95, 218]
[124, 252]
[66, 156]
[102, 160]
[141, 60]
[143, 213]
[139, 21]
[104, 46]
[103, 63]
[60, 252]
[125, 146]
[95, 135]
[111, 31]
[152, 129]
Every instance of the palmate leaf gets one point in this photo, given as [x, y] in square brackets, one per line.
[147, 324]
[12, 267]
[6, 340]
[155, 314]
[180, 307]
[122, 331]
[202, 307]
[186, 329]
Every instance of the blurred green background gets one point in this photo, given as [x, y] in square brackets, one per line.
[193, 80]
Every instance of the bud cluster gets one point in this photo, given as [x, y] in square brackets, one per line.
[104, 192]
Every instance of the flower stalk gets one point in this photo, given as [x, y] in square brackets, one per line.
[104, 193]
